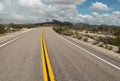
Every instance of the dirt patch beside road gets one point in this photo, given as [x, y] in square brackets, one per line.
[7, 36]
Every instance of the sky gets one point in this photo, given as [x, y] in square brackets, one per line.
[75, 11]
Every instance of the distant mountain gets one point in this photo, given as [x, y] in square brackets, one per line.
[55, 22]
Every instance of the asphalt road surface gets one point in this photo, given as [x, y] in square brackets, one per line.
[21, 59]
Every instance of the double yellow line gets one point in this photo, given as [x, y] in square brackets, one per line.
[47, 69]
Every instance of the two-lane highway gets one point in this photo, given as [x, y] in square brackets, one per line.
[21, 60]
[71, 63]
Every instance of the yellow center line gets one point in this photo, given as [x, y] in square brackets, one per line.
[47, 69]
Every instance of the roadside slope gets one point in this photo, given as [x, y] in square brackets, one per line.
[73, 64]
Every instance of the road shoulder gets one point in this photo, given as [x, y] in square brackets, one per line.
[9, 36]
[103, 51]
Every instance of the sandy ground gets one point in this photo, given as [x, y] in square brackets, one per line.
[109, 53]
[8, 36]
[94, 34]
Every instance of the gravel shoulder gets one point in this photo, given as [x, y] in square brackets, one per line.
[99, 49]
[8, 36]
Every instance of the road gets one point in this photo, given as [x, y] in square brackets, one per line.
[21, 59]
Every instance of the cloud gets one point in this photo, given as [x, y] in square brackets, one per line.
[110, 19]
[1, 7]
[99, 6]
[39, 11]
[64, 2]
[33, 11]
[29, 3]
[116, 13]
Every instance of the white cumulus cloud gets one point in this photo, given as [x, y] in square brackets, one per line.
[29, 2]
[97, 6]
[65, 2]
[33, 11]
[1, 6]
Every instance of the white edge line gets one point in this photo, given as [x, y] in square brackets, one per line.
[13, 39]
[91, 54]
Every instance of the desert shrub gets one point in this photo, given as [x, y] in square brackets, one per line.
[110, 48]
[79, 37]
[94, 42]
[112, 41]
[85, 39]
[101, 44]
[119, 48]
[106, 46]
[86, 32]
[101, 39]
[63, 30]
[74, 36]
[67, 32]
[15, 26]
[2, 29]
[76, 33]
[58, 29]
[89, 36]
[117, 40]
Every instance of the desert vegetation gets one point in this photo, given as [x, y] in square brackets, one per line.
[103, 36]
[6, 28]
[2, 29]
[63, 31]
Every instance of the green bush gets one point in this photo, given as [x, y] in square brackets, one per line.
[2, 29]
[106, 46]
[110, 48]
[67, 32]
[119, 48]
[79, 37]
[76, 33]
[109, 40]
[15, 26]
[85, 39]
[95, 42]
[58, 29]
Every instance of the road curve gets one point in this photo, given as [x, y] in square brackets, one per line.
[21, 60]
